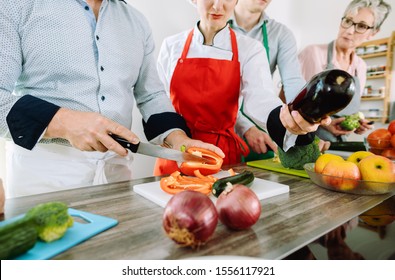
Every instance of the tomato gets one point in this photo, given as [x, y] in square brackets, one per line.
[393, 140]
[391, 127]
[389, 153]
[212, 166]
[379, 138]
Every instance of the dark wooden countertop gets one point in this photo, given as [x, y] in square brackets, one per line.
[287, 223]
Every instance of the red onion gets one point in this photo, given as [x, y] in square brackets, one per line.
[238, 207]
[190, 218]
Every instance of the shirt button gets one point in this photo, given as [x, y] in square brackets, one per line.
[103, 98]
[101, 68]
[87, 8]
[97, 37]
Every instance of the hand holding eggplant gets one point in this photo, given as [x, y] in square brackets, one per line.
[296, 124]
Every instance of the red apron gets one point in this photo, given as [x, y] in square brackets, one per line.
[205, 92]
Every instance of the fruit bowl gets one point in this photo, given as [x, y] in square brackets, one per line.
[348, 185]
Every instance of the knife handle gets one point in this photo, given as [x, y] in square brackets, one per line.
[125, 143]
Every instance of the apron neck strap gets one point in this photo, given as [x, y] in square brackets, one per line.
[265, 39]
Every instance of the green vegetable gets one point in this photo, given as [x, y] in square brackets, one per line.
[297, 156]
[245, 178]
[51, 219]
[351, 122]
[17, 238]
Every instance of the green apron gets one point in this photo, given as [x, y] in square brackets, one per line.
[252, 155]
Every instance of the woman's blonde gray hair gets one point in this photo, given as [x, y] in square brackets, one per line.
[379, 8]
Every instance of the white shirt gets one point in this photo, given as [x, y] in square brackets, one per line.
[256, 85]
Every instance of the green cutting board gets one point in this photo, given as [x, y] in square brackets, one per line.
[269, 164]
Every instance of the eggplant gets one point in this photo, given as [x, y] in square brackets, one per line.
[327, 93]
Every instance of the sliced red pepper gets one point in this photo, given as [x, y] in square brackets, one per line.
[176, 183]
[212, 166]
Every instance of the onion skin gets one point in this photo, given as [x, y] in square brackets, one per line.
[190, 218]
[238, 207]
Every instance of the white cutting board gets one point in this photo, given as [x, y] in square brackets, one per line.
[262, 188]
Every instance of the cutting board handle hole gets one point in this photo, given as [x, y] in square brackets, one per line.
[81, 219]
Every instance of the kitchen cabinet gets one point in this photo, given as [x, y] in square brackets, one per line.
[376, 98]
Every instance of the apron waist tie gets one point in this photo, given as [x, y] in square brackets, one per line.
[100, 175]
[241, 145]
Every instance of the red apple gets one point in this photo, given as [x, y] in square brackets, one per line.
[341, 175]
[377, 168]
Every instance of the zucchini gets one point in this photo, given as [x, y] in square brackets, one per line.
[17, 238]
[348, 146]
[245, 178]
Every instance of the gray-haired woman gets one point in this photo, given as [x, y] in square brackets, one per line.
[360, 22]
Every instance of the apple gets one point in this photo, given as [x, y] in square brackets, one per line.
[377, 168]
[380, 215]
[358, 156]
[342, 175]
[323, 159]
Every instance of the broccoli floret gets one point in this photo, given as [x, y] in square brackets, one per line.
[351, 122]
[51, 219]
[298, 156]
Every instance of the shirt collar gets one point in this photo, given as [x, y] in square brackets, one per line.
[264, 17]
[220, 39]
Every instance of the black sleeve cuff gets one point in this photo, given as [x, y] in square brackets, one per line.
[28, 119]
[160, 123]
[277, 131]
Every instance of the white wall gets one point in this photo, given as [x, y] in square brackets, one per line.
[312, 21]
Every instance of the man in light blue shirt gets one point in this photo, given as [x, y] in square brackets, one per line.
[70, 72]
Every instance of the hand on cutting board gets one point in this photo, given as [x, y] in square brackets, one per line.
[88, 131]
[176, 139]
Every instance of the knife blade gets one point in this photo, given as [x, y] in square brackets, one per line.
[157, 151]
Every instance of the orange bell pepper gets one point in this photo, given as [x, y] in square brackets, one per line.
[212, 166]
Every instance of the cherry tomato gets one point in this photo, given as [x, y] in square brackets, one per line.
[379, 138]
[391, 127]
[389, 153]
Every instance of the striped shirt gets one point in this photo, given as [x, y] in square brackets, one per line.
[54, 54]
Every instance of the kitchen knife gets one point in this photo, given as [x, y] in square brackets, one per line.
[157, 151]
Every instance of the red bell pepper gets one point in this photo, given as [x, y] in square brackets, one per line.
[212, 166]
